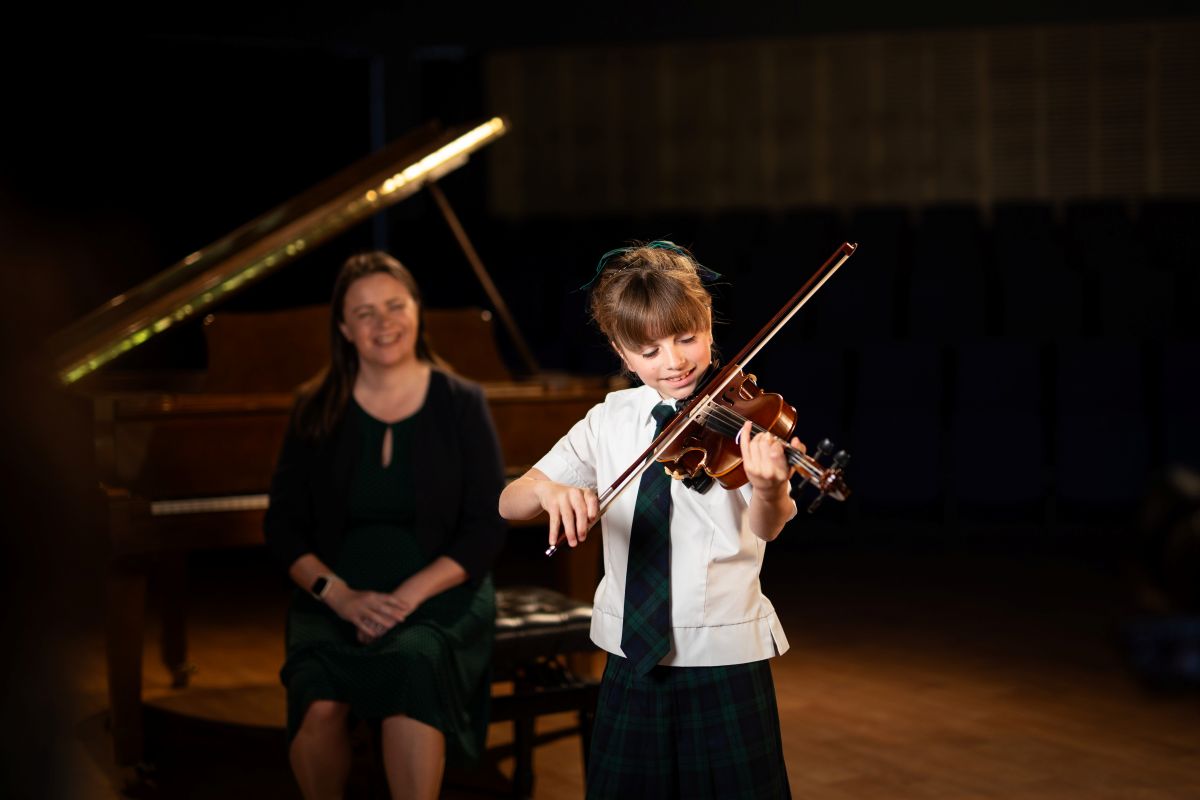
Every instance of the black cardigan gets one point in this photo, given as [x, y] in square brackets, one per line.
[458, 483]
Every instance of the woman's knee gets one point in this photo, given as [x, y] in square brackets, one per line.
[406, 727]
[325, 715]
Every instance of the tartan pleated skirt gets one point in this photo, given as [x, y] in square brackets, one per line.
[687, 732]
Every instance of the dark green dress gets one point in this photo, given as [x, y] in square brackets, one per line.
[434, 666]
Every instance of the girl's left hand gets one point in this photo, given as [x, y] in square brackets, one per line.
[763, 459]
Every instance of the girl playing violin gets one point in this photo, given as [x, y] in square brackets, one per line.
[687, 706]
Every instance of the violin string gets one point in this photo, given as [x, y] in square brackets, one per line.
[728, 422]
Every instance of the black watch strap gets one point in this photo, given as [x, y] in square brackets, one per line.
[321, 586]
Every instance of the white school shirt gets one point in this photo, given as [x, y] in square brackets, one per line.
[719, 615]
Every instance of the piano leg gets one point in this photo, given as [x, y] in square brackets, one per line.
[124, 630]
[172, 569]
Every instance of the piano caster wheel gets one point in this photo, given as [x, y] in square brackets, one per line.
[181, 675]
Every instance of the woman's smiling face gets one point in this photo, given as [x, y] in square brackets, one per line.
[380, 318]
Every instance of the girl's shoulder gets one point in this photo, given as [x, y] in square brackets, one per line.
[625, 408]
[630, 399]
[634, 394]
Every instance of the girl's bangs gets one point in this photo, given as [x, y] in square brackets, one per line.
[646, 316]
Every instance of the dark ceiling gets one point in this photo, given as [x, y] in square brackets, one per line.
[408, 26]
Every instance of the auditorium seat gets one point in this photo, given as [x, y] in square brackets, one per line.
[897, 433]
[1040, 298]
[1126, 294]
[947, 291]
[1101, 454]
[998, 466]
[859, 303]
[1171, 230]
[1181, 403]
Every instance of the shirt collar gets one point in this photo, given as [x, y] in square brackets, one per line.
[646, 403]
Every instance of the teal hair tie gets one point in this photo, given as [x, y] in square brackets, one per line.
[705, 273]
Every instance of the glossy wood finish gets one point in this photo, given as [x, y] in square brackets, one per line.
[264, 245]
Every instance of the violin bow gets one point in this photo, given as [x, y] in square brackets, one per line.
[717, 384]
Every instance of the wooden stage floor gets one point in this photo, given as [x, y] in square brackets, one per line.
[914, 672]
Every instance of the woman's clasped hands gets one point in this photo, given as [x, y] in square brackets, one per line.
[371, 613]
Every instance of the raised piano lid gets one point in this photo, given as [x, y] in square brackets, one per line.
[207, 276]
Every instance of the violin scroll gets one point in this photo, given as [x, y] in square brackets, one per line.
[828, 480]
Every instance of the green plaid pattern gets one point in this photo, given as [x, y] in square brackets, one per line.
[700, 733]
[646, 630]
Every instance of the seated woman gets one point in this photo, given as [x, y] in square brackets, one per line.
[383, 511]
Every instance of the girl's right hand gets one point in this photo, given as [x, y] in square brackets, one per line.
[371, 613]
[569, 507]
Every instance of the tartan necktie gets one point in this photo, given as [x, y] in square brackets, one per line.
[646, 633]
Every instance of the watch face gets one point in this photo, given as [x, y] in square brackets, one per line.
[318, 587]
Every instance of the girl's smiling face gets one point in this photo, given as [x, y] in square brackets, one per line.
[671, 365]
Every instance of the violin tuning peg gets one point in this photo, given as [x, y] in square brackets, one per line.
[824, 448]
[841, 459]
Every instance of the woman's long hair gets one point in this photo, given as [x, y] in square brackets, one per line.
[323, 399]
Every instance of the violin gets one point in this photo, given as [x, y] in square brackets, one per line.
[711, 444]
[702, 439]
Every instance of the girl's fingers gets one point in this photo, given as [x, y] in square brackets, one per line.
[582, 520]
[778, 462]
[567, 520]
[763, 456]
[573, 510]
[746, 443]
[553, 514]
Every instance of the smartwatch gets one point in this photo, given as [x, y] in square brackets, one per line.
[321, 586]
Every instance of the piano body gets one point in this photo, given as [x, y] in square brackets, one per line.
[184, 461]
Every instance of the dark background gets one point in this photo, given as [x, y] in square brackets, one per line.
[1036, 398]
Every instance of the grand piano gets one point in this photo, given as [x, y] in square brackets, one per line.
[184, 461]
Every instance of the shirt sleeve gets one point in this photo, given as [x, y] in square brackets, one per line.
[747, 492]
[573, 458]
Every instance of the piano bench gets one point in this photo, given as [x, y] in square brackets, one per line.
[535, 629]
